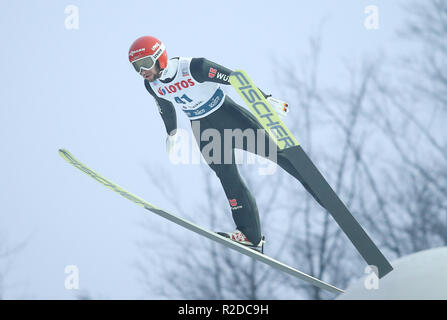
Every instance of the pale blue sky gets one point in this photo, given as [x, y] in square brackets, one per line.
[75, 89]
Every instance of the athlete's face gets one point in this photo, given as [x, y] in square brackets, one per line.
[152, 74]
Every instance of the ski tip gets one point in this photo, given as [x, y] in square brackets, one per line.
[62, 152]
[65, 154]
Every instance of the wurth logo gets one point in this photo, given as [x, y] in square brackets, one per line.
[218, 75]
[212, 73]
[222, 76]
[173, 88]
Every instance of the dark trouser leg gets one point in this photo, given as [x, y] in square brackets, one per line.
[250, 121]
[243, 206]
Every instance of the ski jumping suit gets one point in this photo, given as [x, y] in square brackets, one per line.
[193, 84]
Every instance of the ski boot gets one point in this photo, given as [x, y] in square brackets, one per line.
[239, 237]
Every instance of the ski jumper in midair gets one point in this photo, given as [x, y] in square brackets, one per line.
[193, 85]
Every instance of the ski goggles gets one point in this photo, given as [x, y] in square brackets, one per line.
[147, 63]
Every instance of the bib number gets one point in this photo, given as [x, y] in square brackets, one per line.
[183, 99]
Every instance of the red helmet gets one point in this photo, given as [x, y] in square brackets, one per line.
[146, 51]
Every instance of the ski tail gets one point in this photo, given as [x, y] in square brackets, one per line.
[260, 107]
[271, 122]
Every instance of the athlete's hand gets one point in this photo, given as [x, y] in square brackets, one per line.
[280, 107]
[171, 141]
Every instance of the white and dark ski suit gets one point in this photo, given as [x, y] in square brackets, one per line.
[193, 84]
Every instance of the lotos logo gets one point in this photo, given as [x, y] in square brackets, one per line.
[176, 87]
[136, 51]
[212, 73]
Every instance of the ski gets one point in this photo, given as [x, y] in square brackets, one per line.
[286, 142]
[197, 229]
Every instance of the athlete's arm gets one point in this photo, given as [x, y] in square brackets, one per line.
[205, 70]
[166, 110]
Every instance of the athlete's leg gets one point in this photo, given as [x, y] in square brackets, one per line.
[246, 120]
[243, 206]
[242, 203]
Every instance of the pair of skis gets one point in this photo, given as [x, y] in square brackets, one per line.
[310, 174]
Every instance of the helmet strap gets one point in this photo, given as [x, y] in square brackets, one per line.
[160, 71]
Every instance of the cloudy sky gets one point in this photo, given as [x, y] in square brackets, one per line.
[75, 89]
